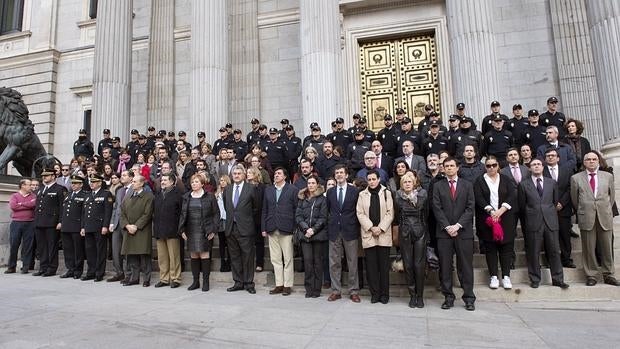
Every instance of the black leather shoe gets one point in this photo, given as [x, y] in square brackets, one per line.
[160, 284]
[38, 273]
[98, 278]
[146, 284]
[470, 306]
[131, 283]
[251, 290]
[384, 299]
[611, 281]
[66, 275]
[374, 300]
[48, 274]
[448, 303]
[573, 234]
[116, 278]
[235, 288]
[570, 265]
[24, 271]
[174, 284]
[419, 303]
[590, 282]
[10, 271]
[412, 302]
[534, 284]
[77, 276]
[88, 277]
[561, 284]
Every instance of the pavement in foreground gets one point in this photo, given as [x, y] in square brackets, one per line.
[41, 312]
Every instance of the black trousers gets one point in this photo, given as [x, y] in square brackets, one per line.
[96, 253]
[535, 240]
[378, 271]
[464, 250]
[242, 251]
[47, 248]
[21, 234]
[137, 263]
[564, 236]
[223, 247]
[505, 252]
[413, 253]
[260, 248]
[313, 254]
[73, 250]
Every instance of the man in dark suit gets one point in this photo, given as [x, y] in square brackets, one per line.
[122, 193]
[278, 221]
[565, 151]
[343, 230]
[384, 161]
[241, 205]
[561, 175]
[514, 169]
[453, 204]
[50, 197]
[95, 227]
[71, 224]
[538, 199]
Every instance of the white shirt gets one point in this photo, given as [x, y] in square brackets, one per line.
[240, 185]
[494, 197]
[535, 180]
[554, 171]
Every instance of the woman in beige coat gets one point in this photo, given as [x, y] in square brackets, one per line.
[375, 212]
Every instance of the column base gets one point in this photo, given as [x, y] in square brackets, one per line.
[611, 152]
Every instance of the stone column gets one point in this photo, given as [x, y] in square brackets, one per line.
[474, 58]
[579, 95]
[160, 108]
[112, 68]
[209, 62]
[245, 64]
[321, 83]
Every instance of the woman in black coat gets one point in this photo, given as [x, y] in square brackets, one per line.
[199, 222]
[580, 144]
[496, 197]
[166, 211]
[311, 219]
[410, 208]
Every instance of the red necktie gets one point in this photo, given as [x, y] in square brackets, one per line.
[592, 182]
[452, 190]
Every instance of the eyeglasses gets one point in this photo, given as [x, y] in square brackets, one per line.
[491, 165]
[370, 158]
[65, 169]
[550, 155]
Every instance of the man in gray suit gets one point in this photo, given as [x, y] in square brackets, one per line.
[242, 208]
[514, 170]
[415, 162]
[592, 194]
[538, 202]
[453, 204]
[117, 233]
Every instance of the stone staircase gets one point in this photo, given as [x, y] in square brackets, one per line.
[519, 276]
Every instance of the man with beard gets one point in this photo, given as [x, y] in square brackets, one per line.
[327, 161]
[369, 136]
[83, 146]
[470, 168]
[306, 171]
[467, 135]
[387, 136]
[565, 152]
[253, 135]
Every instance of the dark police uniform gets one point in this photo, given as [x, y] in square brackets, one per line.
[387, 137]
[72, 241]
[517, 127]
[496, 143]
[293, 152]
[83, 147]
[276, 153]
[432, 145]
[558, 119]
[240, 148]
[462, 138]
[341, 138]
[487, 122]
[317, 143]
[219, 144]
[95, 215]
[411, 136]
[104, 143]
[252, 137]
[355, 155]
[534, 136]
[46, 218]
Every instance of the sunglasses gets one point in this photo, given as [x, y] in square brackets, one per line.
[491, 165]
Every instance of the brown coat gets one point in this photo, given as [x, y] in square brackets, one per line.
[137, 210]
[387, 215]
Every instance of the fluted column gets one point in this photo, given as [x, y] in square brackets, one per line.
[245, 79]
[320, 61]
[112, 68]
[209, 62]
[160, 106]
[579, 95]
[473, 54]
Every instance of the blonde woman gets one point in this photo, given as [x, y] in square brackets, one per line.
[223, 182]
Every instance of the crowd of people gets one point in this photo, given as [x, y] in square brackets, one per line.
[347, 200]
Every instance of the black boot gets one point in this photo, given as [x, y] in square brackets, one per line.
[206, 272]
[195, 264]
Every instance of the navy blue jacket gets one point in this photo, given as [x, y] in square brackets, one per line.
[343, 220]
[279, 215]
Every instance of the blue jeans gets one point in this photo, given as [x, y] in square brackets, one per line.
[21, 233]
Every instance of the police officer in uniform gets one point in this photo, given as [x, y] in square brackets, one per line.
[71, 224]
[132, 147]
[50, 197]
[253, 135]
[293, 150]
[106, 142]
[433, 116]
[95, 223]
[229, 129]
[315, 139]
[356, 121]
[518, 123]
[143, 147]
[83, 146]
[151, 136]
[534, 134]
[387, 136]
[400, 115]
[497, 141]
[553, 117]
[221, 142]
[487, 122]
[369, 136]
[435, 142]
[453, 126]
[408, 134]
[263, 136]
[340, 137]
[276, 149]
[284, 123]
[355, 152]
[183, 137]
[466, 135]
[238, 145]
[116, 148]
[201, 140]
[170, 142]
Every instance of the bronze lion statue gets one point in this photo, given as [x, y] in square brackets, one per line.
[18, 141]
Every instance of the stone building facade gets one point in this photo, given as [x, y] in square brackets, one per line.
[195, 65]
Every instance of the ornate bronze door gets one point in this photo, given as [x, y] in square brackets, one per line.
[398, 74]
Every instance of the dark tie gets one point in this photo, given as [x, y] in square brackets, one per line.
[593, 182]
[452, 189]
[124, 194]
[340, 197]
[539, 186]
[44, 190]
[72, 195]
[236, 196]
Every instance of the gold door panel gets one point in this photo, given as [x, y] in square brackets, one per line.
[398, 74]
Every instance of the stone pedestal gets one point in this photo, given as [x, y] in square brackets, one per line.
[473, 55]
[8, 186]
[209, 67]
[160, 108]
[321, 84]
[112, 68]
